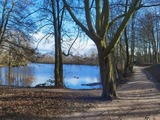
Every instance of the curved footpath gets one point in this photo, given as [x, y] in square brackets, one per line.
[139, 99]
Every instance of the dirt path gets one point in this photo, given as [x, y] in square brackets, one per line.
[139, 99]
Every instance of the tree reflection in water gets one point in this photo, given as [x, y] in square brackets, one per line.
[19, 76]
[0, 77]
[75, 76]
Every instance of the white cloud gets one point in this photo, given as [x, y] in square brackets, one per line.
[80, 47]
[85, 48]
[43, 46]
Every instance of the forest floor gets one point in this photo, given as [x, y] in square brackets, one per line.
[139, 98]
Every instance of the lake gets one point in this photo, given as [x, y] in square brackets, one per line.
[75, 76]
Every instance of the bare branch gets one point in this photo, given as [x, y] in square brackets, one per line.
[120, 30]
[88, 16]
[71, 45]
[154, 5]
[94, 37]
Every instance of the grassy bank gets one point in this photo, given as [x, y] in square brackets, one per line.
[154, 71]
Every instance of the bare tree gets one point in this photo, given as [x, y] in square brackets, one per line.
[127, 46]
[52, 24]
[58, 12]
[149, 26]
[15, 27]
[98, 35]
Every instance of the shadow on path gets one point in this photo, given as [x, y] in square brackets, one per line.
[138, 99]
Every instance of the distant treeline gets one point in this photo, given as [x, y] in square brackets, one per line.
[49, 59]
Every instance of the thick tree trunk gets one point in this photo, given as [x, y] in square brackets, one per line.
[107, 77]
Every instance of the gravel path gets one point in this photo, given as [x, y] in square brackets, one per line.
[139, 99]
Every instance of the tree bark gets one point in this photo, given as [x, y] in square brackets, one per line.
[107, 73]
[132, 44]
[126, 68]
[58, 70]
[108, 78]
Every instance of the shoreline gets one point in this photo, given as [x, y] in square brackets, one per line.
[40, 103]
[67, 63]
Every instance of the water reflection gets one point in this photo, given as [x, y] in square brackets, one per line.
[16, 76]
[75, 76]
[0, 77]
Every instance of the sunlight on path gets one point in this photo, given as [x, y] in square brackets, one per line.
[138, 99]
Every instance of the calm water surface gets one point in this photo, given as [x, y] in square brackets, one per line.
[75, 76]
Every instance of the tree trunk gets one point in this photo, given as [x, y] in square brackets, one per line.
[60, 65]
[58, 59]
[150, 53]
[58, 71]
[159, 52]
[107, 76]
[155, 55]
[126, 68]
[132, 44]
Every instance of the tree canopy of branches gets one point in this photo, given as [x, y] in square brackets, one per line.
[15, 27]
